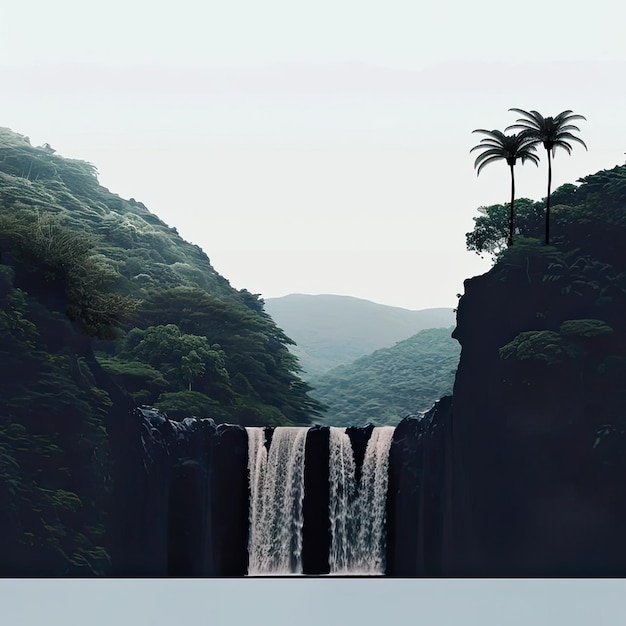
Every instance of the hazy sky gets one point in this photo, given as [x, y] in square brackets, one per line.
[317, 147]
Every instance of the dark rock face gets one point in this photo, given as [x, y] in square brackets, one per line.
[532, 490]
[417, 493]
[160, 508]
[359, 436]
[230, 493]
[316, 534]
[404, 497]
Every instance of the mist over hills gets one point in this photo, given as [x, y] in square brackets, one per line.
[331, 330]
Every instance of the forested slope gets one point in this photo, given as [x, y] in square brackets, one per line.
[82, 273]
[192, 342]
[391, 383]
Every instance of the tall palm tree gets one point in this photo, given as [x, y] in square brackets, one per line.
[553, 133]
[497, 146]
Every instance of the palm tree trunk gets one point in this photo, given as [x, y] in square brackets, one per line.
[512, 207]
[548, 198]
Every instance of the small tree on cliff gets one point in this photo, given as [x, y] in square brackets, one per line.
[497, 146]
[553, 133]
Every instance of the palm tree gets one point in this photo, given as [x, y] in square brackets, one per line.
[497, 146]
[553, 133]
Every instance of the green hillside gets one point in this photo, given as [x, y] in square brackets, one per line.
[103, 306]
[193, 342]
[332, 330]
[385, 386]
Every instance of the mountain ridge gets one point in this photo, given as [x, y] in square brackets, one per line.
[331, 330]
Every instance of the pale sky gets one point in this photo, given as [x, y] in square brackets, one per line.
[318, 147]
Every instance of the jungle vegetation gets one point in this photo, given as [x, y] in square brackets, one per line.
[573, 293]
[552, 133]
[497, 146]
[534, 128]
[84, 272]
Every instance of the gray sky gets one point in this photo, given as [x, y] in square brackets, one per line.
[316, 147]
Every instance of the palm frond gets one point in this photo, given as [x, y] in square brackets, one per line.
[552, 132]
[499, 146]
[531, 119]
[486, 162]
[491, 152]
[568, 115]
[529, 156]
[571, 137]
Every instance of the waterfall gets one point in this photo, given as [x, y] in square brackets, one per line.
[276, 494]
[358, 513]
[371, 509]
[341, 504]
[257, 466]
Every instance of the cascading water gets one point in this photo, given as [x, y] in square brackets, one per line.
[358, 512]
[369, 551]
[257, 467]
[341, 502]
[276, 496]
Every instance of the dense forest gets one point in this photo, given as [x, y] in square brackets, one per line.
[391, 383]
[577, 283]
[171, 330]
[94, 288]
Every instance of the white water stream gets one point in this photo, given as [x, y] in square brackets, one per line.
[358, 513]
[342, 486]
[276, 496]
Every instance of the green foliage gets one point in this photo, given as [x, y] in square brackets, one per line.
[543, 345]
[51, 431]
[491, 228]
[249, 342]
[87, 252]
[552, 132]
[497, 146]
[385, 386]
[142, 381]
[180, 358]
[52, 254]
[589, 218]
[188, 403]
[71, 250]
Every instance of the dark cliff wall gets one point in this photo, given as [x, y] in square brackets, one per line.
[161, 500]
[180, 504]
[417, 493]
[316, 534]
[230, 511]
[532, 489]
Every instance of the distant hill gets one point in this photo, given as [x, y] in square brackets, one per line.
[385, 386]
[332, 330]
